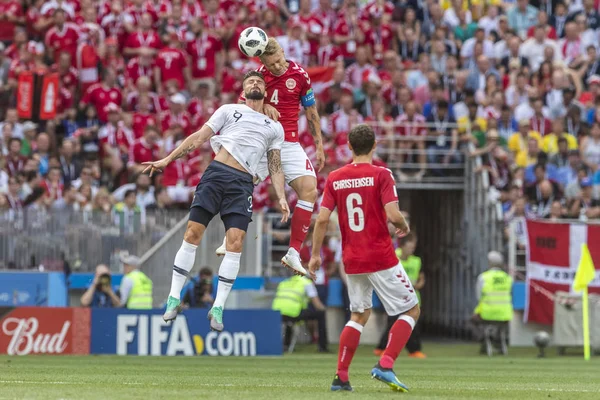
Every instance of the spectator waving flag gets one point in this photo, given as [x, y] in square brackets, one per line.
[554, 251]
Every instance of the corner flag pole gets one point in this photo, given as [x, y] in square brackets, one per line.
[586, 325]
[584, 275]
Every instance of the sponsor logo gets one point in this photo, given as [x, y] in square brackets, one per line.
[305, 228]
[25, 337]
[150, 335]
[290, 83]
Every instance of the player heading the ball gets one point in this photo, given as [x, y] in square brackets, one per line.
[246, 135]
[366, 198]
[289, 87]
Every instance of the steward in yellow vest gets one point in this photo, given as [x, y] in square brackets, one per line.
[136, 287]
[494, 292]
[291, 300]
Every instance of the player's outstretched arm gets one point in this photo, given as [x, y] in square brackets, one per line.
[314, 125]
[276, 172]
[397, 219]
[190, 143]
[319, 232]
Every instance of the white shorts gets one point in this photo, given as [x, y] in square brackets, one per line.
[391, 285]
[294, 161]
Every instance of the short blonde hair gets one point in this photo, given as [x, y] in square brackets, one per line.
[272, 48]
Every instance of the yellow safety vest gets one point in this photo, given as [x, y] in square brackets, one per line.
[496, 299]
[290, 298]
[140, 296]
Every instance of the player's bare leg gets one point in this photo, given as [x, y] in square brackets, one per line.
[228, 272]
[184, 262]
[398, 337]
[306, 189]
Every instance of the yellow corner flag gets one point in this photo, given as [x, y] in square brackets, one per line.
[585, 271]
[584, 275]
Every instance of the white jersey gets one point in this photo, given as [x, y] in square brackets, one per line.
[246, 134]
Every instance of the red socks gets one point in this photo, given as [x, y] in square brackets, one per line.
[300, 223]
[399, 335]
[348, 343]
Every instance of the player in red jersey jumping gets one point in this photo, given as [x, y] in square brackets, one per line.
[366, 198]
[288, 86]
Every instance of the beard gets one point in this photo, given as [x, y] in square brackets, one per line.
[254, 95]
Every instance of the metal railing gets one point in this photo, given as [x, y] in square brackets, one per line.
[32, 237]
[419, 160]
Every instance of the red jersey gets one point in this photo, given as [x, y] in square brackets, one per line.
[203, 51]
[171, 63]
[360, 192]
[285, 93]
[142, 151]
[172, 121]
[7, 29]
[69, 78]
[63, 40]
[380, 39]
[140, 121]
[135, 71]
[100, 96]
[137, 40]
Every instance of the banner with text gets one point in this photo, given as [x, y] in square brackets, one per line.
[553, 253]
[136, 332]
[47, 330]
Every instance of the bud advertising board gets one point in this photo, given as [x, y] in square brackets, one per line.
[36, 330]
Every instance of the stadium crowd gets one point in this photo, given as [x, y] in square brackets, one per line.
[519, 80]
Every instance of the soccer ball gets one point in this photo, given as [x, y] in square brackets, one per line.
[541, 339]
[253, 41]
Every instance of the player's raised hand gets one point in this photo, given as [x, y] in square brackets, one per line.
[157, 166]
[313, 266]
[285, 210]
[271, 112]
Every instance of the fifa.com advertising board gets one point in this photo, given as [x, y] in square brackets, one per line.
[31, 330]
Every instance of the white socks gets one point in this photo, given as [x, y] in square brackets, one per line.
[184, 262]
[228, 271]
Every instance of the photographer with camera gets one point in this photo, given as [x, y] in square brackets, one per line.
[100, 293]
[200, 294]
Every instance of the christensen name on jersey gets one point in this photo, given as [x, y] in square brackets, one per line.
[353, 183]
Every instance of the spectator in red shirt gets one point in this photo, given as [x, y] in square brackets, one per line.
[348, 33]
[176, 122]
[11, 14]
[214, 19]
[380, 37]
[143, 116]
[138, 67]
[69, 75]
[144, 40]
[15, 162]
[142, 88]
[62, 37]
[144, 149]
[53, 185]
[206, 54]
[171, 63]
[134, 13]
[201, 106]
[101, 94]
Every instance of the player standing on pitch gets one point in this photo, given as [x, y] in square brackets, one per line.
[366, 198]
[246, 135]
[288, 86]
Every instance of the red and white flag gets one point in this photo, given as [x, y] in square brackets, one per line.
[553, 254]
[320, 77]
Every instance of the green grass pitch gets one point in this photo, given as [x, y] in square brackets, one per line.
[452, 371]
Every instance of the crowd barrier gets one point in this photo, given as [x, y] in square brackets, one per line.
[36, 330]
